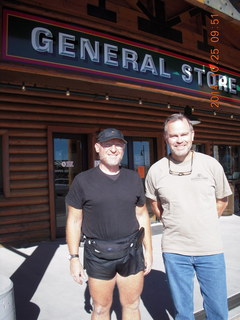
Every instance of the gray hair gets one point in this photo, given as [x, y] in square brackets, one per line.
[175, 117]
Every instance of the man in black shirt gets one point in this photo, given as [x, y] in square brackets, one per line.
[107, 204]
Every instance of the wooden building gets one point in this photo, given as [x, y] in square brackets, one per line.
[70, 68]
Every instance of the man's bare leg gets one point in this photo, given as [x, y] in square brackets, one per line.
[101, 292]
[130, 289]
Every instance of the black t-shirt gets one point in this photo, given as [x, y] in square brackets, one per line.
[108, 205]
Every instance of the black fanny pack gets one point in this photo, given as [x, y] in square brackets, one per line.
[115, 249]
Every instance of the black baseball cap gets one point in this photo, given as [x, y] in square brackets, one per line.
[110, 133]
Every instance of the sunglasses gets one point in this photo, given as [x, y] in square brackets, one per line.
[180, 173]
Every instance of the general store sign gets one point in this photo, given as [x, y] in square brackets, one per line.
[40, 41]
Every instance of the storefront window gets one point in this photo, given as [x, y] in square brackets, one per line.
[198, 147]
[229, 157]
[139, 155]
[236, 162]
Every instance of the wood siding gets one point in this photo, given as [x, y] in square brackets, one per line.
[24, 214]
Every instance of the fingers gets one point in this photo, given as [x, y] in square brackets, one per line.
[77, 272]
[79, 277]
[148, 266]
[146, 271]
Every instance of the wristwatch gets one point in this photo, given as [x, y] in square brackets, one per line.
[71, 256]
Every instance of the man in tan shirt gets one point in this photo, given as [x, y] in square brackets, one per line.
[188, 192]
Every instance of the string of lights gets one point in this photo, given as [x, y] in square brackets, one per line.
[107, 97]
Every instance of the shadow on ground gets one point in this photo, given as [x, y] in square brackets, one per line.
[28, 276]
[156, 296]
[26, 279]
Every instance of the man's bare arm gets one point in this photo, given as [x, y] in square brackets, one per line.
[156, 208]
[144, 221]
[221, 205]
[73, 236]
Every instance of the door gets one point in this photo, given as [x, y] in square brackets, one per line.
[70, 158]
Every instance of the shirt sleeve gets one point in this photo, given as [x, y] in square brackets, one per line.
[222, 187]
[74, 197]
[141, 197]
[149, 186]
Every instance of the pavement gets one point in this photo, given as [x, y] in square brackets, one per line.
[44, 289]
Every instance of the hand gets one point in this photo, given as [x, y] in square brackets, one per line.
[77, 272]
[148, 263]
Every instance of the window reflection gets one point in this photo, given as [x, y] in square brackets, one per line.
[198, 147]
[139, 154]
[229, 157]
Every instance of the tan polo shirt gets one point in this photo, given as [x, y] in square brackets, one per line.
[190, 218]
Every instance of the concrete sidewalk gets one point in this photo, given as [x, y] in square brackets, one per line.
[44, 289]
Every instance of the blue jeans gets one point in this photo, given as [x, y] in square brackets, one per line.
[211, 274]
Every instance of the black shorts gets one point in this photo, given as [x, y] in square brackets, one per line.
[99, 268]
